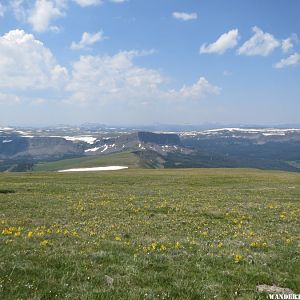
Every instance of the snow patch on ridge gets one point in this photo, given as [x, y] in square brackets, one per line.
[92, 149]
[87, 139]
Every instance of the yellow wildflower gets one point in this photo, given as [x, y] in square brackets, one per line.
[254, 245]
[237, 258]
[177, 245]
[153, 246]
[44, 243]
[164, 248]
[7, 231]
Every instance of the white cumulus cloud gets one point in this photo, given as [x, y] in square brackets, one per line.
[26, 63]
[116, 78]
[292, 60]
[196, 91]
[261, 43]
[88, 39]
[185, 16]
[44, 12]
[106, 78]
[226, 41]
[40, 14]
[288, 44]
[29, 70]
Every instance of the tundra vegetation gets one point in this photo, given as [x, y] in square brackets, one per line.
[149, 234]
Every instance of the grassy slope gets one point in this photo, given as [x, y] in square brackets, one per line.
[118, 159]
[160, 234]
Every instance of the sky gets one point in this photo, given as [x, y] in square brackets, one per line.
[126, 62]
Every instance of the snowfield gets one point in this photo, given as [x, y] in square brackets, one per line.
[88, 139]
[110, 168]
[241, 131]
[92, 149]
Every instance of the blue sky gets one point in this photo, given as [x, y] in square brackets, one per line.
[142, 61]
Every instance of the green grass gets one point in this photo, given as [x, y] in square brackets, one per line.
[124, 159]
[160, 234]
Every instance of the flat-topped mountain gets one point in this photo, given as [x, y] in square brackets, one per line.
[37, 147]
[266, 148]
[161, 139]
[19, 147]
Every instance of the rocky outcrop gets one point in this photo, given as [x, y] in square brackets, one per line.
[149, 138]
[38, 147]
[53, 146]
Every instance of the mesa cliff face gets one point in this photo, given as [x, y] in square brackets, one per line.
[38, 147]
[53, 146]
[160, 139]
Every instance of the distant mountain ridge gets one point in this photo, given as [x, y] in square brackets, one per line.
[19, 148]
[266, 148]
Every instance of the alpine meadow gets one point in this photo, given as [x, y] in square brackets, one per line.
[149, 234]
[149, 150]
